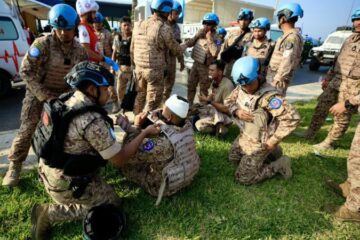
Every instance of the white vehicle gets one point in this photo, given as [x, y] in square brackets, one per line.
[326, 54]
[13, 46]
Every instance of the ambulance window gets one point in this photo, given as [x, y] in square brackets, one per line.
[7, 29]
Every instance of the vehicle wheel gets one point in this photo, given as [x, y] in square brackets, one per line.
[314, 65]
[5, 84]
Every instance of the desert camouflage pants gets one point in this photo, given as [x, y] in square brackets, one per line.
[149, 87]
[348, 89]
[170, 77]
[353, 167]
[30, 116]
[253, 160]
[281, 85]
[325, 101]
[68, 208]
[123, 78]
[209, 118]
[199, 74]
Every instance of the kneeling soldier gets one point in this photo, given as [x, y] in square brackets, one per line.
[264, 118]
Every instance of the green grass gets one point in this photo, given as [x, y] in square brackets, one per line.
[214, 206]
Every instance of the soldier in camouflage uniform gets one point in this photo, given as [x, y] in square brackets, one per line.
[350, 189]
[239, 36]
[204, 52]
[342, 77]
[213, 115]
[105, 48]
[264, 118]
[287, 53]
[121, 54]
[43, 69]
[167, 163]
[170, 59]
[151, 40]
[260, 47]
[73, 181]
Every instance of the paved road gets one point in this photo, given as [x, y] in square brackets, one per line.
[11, 105]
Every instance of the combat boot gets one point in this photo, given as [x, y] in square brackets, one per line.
[324, 145]
[12, 176]
[115, 107]
[221, 130]
[345, 215]
[283, 166]
[40, 222]
[307, 135]
[343, 189]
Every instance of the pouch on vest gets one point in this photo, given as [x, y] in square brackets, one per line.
[49, 137]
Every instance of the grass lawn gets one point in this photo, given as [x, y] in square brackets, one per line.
[214, 206]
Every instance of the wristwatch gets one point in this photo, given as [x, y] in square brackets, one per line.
[349, 106]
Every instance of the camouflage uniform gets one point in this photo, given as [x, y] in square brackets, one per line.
[165, 164]
[105, 48]
[209, 116]
[353, 162]
[231, 38]
[171, 63]
[44, 78]
[125, 74]
[203, 53]
[248, 150]
[262, 51]
[88, 134]
[285, 59]
[151, 40]
[344, 84]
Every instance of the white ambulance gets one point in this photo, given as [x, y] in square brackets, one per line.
[13, 46]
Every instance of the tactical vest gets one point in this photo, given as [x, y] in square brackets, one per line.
[49, 137]
[123, 52]
[199, 52]
[147, 52]
[279, 49]
[348, 61]
[251, 104]
[166, 173]
[263, 52]
[57, 66]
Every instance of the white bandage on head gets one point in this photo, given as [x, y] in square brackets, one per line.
[177, 106]
[85, 6]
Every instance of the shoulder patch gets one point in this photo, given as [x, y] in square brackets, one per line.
[148, 145]
[34, 52]
[289, 45]
[275, 103]
[84, 33]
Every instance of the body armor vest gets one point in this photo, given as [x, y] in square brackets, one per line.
[49, 137]
[265, 125]
[147, 52]
[348, 61]
[200, 51]
[123, 53]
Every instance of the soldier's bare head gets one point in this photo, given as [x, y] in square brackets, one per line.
[216, 70]
[125, 25]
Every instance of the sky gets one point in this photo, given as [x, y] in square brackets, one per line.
[321, 17]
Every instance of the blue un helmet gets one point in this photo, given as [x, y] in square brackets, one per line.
[245, 14]
[89, 72]
[262, 23]
[164, 6]
[290, 10]
[63, 16]
[356, 15]
[176, 7]
[99, 18]
[211, 19]
[245, 70]
[221, 31]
